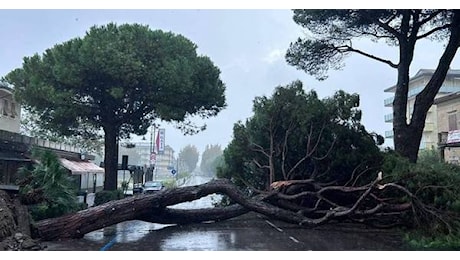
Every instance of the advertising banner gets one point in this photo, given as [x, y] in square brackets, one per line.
[160, 142]
[453, 137]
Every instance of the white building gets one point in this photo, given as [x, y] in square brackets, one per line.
[10, 110]
[416, 85]
[140, 154]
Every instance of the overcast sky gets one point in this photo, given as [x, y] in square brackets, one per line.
[248, 45]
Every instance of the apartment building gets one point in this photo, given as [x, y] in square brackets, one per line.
[416, 85]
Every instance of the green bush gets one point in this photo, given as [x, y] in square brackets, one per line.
[104, 196]
[437, 185]
[434, 182]
[171, 183]
[417, 241]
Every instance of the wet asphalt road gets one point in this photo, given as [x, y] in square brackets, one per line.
[250, 232]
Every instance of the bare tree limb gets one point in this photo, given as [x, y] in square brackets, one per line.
[351, 49]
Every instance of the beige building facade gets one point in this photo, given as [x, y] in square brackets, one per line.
[416, 84]
[448, 111]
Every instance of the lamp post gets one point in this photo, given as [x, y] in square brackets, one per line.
[152, 152]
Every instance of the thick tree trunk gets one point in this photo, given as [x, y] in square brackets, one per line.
[142, 207]
[111, 157]
[407, 141]
[401, 129]
[154, 207]
[407, 137]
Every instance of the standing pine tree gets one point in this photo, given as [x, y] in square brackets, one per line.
[118, 80]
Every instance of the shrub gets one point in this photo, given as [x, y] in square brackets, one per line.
[56, 190]
[106, 196]
[171, 183]
[437, 185]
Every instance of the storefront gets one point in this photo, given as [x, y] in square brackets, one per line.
[89, 176]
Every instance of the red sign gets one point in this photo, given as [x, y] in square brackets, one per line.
[160, 142]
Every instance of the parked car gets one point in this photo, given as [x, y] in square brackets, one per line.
[137, 188]
[152, 186]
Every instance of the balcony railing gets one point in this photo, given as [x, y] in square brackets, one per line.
[389, 134]
[389, 118]
[388, 102]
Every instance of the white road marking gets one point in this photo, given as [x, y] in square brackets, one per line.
[273, 225]
[280, 230]
[294, 239]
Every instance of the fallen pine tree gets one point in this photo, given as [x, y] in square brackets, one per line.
[367, 205]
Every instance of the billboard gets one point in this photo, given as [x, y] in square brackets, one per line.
[160, 142]
[453, 137]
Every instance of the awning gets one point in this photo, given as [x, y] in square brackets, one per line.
[81, 167]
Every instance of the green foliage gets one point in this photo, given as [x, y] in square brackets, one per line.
[126, 75]
[210, 159]
[30, 126]
[169, 184]
[104, 196]
[301, 137]
[436, 184]
[449, 242]
[50, 177]
[189, 156]
[335, 34]
[118, 79]
[331, 33]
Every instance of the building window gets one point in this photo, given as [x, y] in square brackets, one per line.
[6, 107]
[13, 110]
[452, 121]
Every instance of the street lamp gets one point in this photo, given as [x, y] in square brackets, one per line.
[152, 155]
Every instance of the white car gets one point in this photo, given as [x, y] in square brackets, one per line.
[152, 186]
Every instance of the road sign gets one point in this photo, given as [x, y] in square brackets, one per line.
[173, 172]
[153, 158]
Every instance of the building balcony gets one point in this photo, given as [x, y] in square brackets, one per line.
[389, 134]
[388, 102]
[388, 118]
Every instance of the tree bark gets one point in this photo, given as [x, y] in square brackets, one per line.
[143, 207]
[111, 158]
[153, 207]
